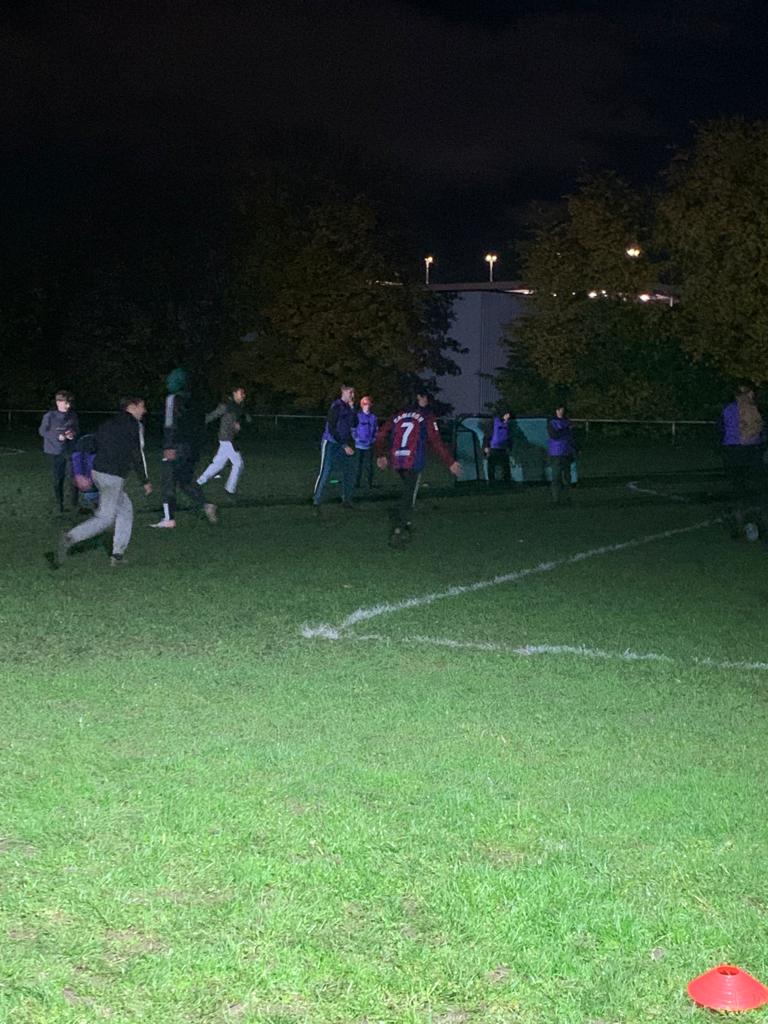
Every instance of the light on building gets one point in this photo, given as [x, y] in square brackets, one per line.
[633, 251]
[490, 259]
[428, 261]
[592, 294]
[645, 297]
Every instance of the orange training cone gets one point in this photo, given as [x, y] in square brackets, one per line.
[727, 988]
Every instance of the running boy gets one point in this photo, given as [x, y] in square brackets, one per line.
[119, 449]
[58, 428]
[402, 445]
[228, 414]
[183, 435]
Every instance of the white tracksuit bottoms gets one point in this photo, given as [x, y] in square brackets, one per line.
[226, 453]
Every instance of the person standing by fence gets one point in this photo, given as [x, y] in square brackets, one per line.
[59, 428]
[497, 448]
[561, 451]
[742, 443]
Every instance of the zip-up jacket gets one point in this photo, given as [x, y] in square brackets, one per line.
[339, 424]
[120, 447]
[228, 414]
[54, 423]
[183, 423]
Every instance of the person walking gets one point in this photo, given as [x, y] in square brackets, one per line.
[183, 436]
[497, 448]
[119, 449]
[402, 446]
[229, 414]
[337, 447]
[561, 451]
[59, 428]
[364, 432]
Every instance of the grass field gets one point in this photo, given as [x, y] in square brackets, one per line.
[274, 771]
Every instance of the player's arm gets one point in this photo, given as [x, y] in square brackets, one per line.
[217, 413]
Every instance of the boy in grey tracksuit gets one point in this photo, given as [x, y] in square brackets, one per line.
[59, 428]
[228, 414]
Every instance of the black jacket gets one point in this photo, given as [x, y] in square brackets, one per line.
[119, 447]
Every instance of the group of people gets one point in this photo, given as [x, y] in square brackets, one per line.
[352, 438]
[561, 450]
[352, 441]
[102, 462]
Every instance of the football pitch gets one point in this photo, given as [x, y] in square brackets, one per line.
[274, 771]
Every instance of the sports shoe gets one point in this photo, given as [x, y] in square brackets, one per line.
[210, 513]
[164, 524]
[116, 560]
[751, 532]
[62, 550]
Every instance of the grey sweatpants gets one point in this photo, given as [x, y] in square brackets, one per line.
[115, 507]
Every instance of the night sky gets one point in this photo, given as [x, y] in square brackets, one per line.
[469, 112]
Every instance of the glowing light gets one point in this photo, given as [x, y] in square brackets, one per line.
[592, 295]
[428, 261]
[633, 251]
[645, 297]
[490, 259]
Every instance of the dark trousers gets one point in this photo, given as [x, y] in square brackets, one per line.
[561, 477]
[179, 473]
[402, 512]
[498, 458]
[58, 477]
[364, 460]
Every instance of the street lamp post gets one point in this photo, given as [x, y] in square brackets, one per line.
[490, 259]
[428, 261]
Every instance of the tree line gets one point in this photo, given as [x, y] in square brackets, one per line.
[700, 234]
[290, 284]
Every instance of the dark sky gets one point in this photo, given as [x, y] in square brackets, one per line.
[478, 108]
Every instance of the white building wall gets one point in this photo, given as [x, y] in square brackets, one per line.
[480, 318]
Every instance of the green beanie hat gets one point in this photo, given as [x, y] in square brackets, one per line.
[176, 380]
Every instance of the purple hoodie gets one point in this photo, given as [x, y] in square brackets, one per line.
[729, 421]
[560, 437]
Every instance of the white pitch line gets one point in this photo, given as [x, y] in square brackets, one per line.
[581, 650]
[634, 486]
[330, 632]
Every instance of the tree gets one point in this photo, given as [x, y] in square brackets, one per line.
[328, 305]
[713, 220]
[588, 337]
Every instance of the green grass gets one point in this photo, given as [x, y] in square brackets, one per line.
[206, 817]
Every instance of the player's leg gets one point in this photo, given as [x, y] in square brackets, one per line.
[238, 464]
[218, 463]
[327, 457]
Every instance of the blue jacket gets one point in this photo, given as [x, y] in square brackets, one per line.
[365, 430]
[339, 423]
